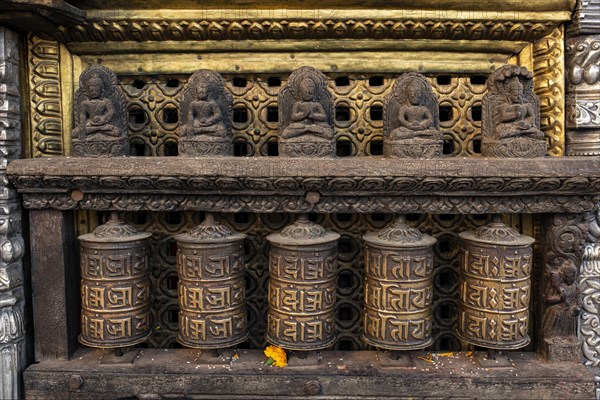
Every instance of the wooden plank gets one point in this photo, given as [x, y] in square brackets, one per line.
[55, 284]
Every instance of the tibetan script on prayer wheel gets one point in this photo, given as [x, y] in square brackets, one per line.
[115, 286]
[398, 287]
[495, 287]
[302, 286]
[212, 302]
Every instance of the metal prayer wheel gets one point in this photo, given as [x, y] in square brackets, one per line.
[115, 286]
[211, 288]
[302, 286]
[398, 287]
[495, 286]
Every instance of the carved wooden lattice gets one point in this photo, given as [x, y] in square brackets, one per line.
[358, 100]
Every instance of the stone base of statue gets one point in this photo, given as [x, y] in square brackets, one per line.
[100, 147]
[206, 146]
[562, 349]
[519, 147]
[306, 146]
[413, 148]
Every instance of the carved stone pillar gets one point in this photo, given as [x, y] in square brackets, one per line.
[583, 80]
[583, 138]
[12, 324]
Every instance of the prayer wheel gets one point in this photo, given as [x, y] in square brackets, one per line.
[302, 286]
[495, 286]
[398, 287]
[211, 288]
[115, 286]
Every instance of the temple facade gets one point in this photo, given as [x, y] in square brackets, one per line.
[402, 200]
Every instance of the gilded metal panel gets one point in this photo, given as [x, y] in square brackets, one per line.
[549, 86]
[115, 287]
[495, 287]
[45, 99]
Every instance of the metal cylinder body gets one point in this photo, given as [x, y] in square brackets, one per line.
[495, 287]
[302, 287]
[211, 288]
[398, 288]
[115, 286]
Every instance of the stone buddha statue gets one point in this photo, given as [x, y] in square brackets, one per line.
[204, 115]
[516, 118]
[100, 115]
[416, 119]
[510, 123]
[411, 119]
[96, 112]
[308, 116]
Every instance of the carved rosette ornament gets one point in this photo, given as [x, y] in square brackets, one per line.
[205, 116]
[495, 286]
[115, 286]
[412, 123]
[211, 289]
[398, 287]
[100, 115]
[511, 115]
[306, 115]
[302, 286]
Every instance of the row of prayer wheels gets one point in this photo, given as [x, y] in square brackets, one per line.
[494, 287]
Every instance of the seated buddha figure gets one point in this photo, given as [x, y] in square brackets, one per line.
[516, 118]
[204, 115]
[308, 116]
[96, 113]
[416, 119]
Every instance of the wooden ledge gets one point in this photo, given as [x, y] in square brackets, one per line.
[178, 373]
[265, 184]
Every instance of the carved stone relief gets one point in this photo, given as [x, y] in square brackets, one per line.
[565, 236]
[205, 115]
[511, 116]
[13, 357]
[306, 115]
[100, 119]
[412, 126]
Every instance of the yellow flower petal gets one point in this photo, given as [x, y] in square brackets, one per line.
[277, 354]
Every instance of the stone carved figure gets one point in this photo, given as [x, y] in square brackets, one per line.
[100, 118]
[511, 115]
[412, 119]
[205, 116]
[564, 303]
[306, 115]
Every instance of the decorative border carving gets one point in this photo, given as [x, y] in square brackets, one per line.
[548, 79]
[46, 137]
[13, 356]
[99, 29]
[298, 204]
[584, 113]
[590, 317]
